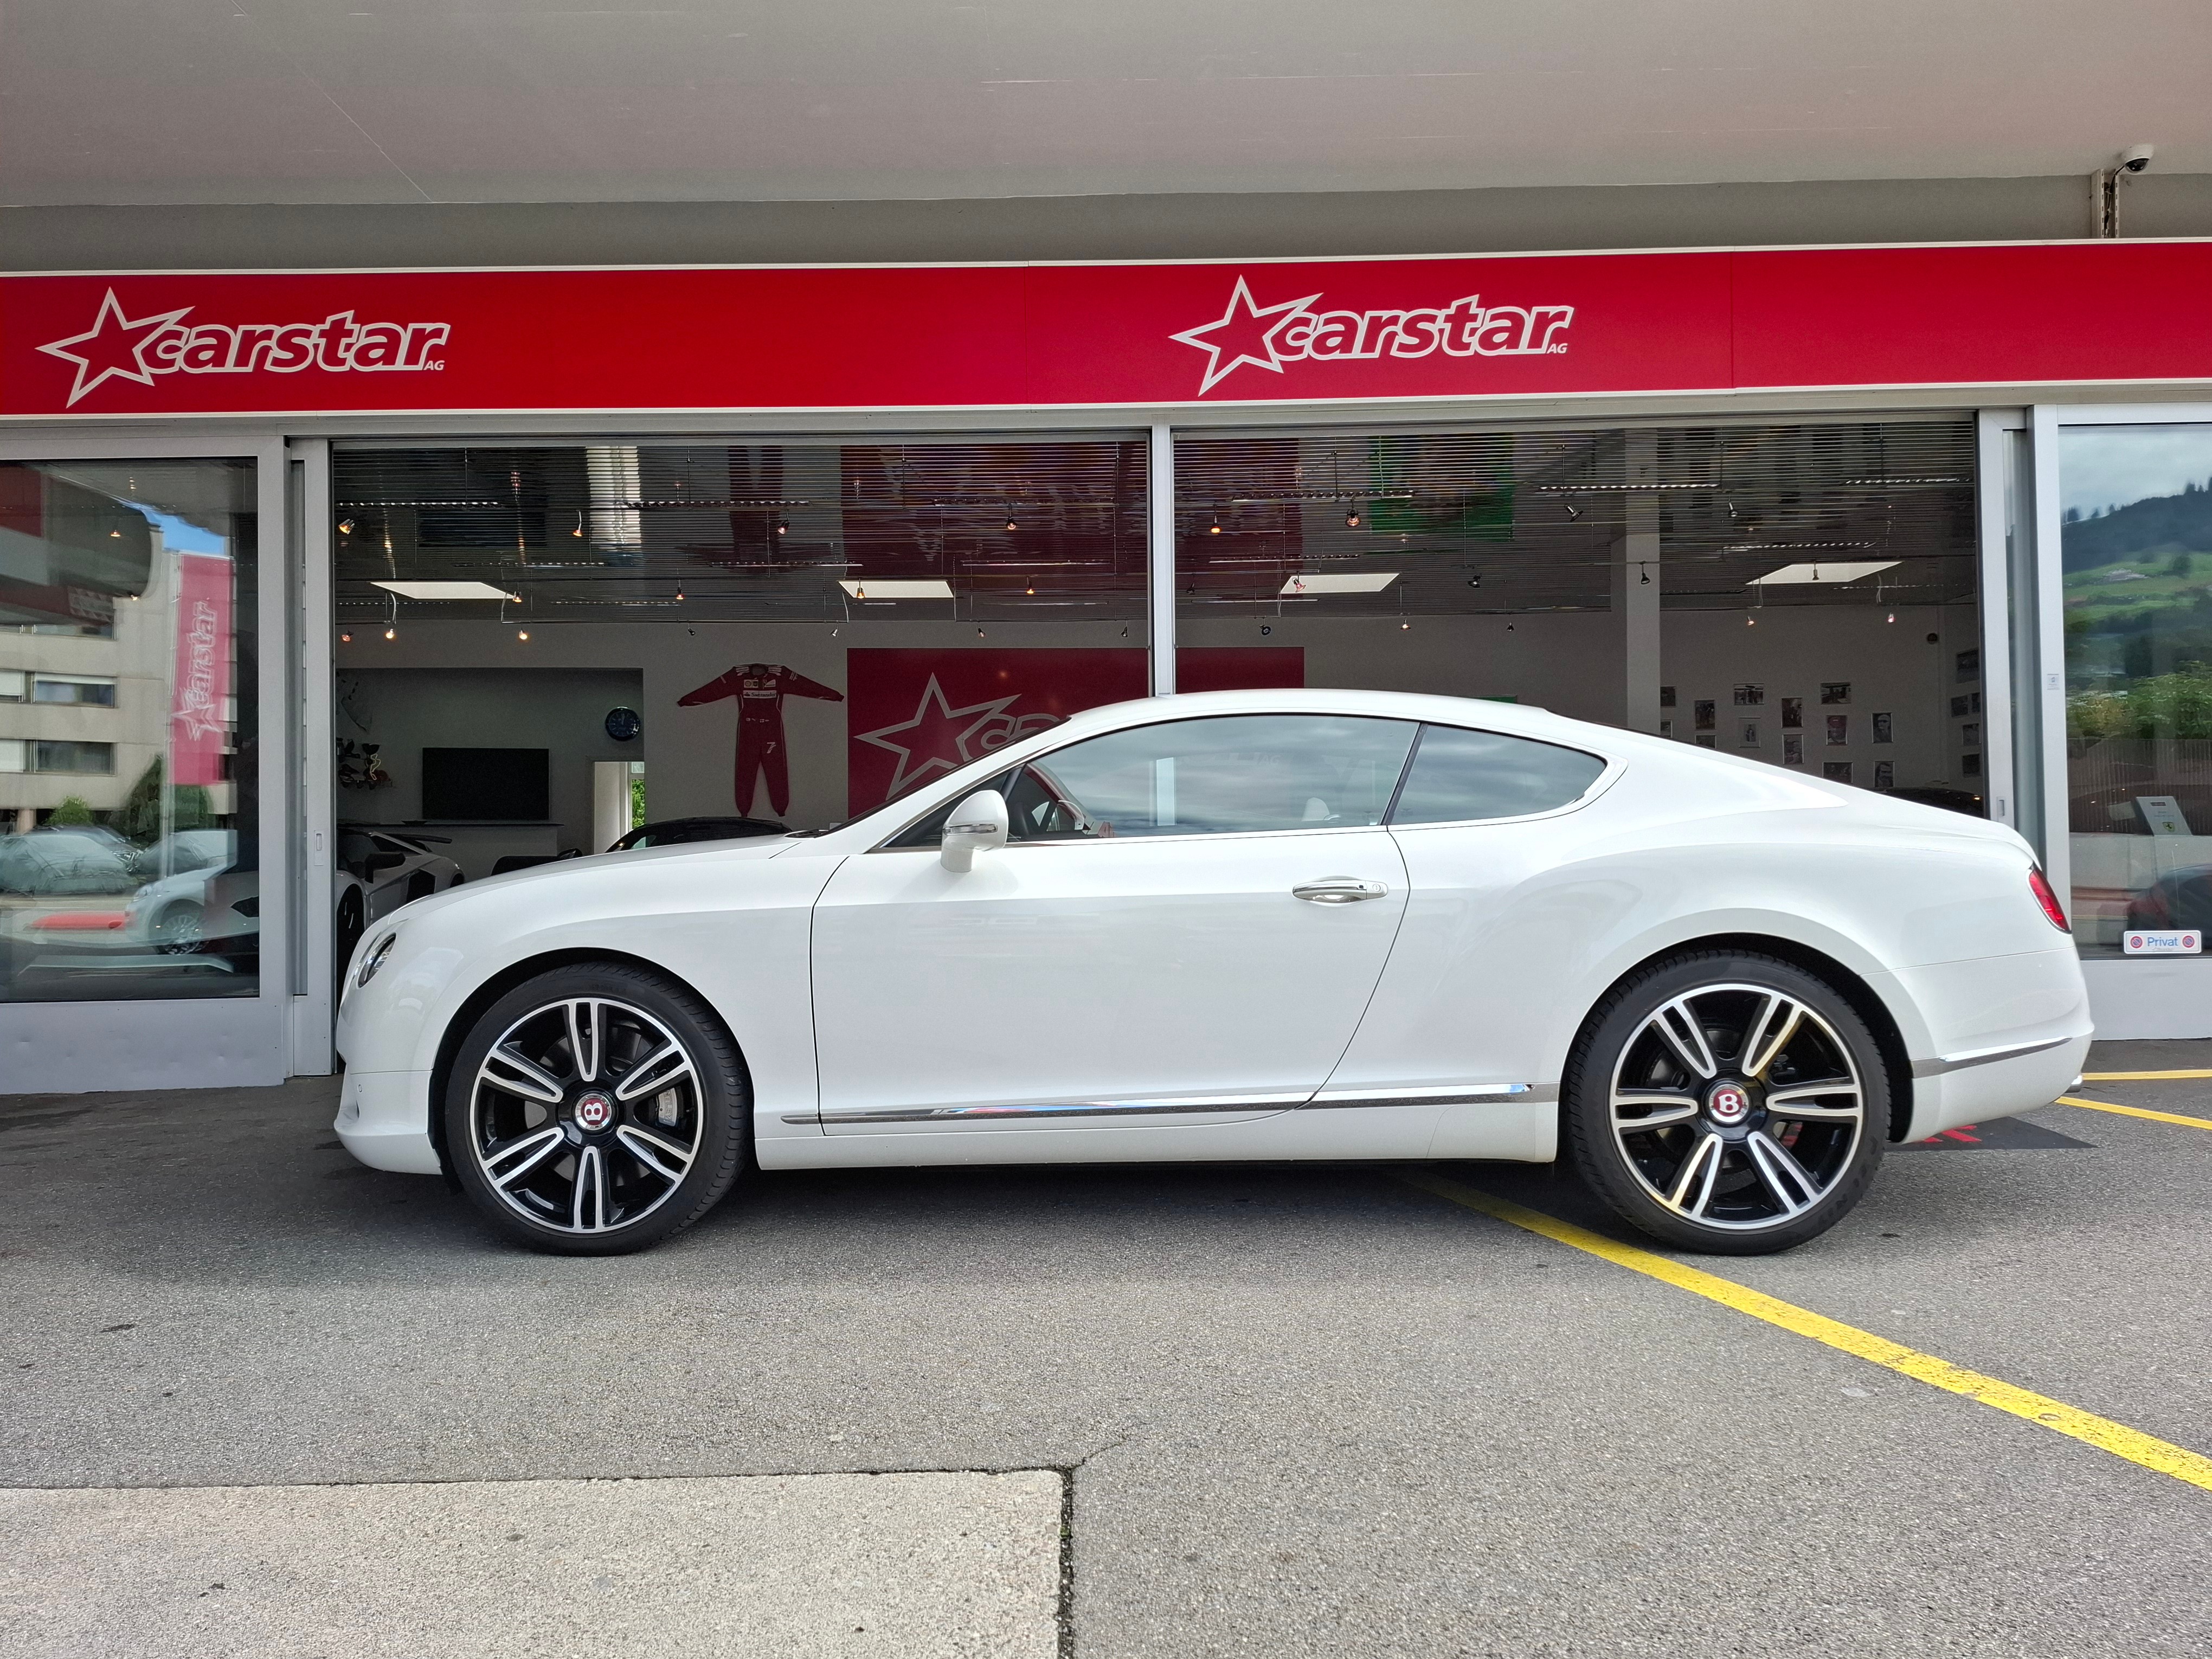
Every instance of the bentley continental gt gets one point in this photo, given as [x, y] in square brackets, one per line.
[1248, 926]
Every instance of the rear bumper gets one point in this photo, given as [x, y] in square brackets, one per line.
[383, 1121]
[2009, 1033]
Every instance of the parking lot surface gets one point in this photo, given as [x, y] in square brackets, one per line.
[1299, 1410]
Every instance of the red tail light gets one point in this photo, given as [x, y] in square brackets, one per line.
[2041, 888]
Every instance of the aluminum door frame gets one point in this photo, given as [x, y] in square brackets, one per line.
[188, 1042]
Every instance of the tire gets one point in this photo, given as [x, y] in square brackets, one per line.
[596, 1109]
[177, 929]
[352, 923]
[1755, 1142]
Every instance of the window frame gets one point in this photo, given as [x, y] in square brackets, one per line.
[1604, 780]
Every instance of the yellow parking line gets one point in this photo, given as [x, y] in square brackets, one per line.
[2137, 1111]
[2140, 1076]
[2043, 1411]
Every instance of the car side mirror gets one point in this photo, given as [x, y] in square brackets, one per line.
[977, 825]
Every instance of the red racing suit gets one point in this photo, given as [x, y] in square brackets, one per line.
[760, 690]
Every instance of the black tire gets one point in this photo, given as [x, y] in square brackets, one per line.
[352, 923]
[178, 927]
[597, 1171]
[1764, 1151]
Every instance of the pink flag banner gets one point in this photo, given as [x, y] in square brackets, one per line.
[198, 727]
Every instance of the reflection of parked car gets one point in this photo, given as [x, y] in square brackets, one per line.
[201, 902]
[54, 863]
[2180, 898]
[670, 831]
[184, 850]
[378, 871]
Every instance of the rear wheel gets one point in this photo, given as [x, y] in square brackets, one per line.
[177, 928]
[1727, 1103]
[596, 1109]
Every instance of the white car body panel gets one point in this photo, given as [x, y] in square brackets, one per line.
[1138, 975]
[927, 990]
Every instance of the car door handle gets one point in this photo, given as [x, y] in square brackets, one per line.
[1338, 889]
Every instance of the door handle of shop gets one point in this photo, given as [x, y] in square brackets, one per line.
[1338, 889]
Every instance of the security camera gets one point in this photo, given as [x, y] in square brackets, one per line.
[2136, 157]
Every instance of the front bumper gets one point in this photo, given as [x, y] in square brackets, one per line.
[383, 1121]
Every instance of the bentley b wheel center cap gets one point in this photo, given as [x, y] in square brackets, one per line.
[1728, 1103]
[594, 1112]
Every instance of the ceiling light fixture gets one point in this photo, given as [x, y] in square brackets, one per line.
[392, 633]
[1840, 571]
[345, 639]
[522, 634]
[782, 527]
[1214, 529]
[346, 526]
[447, 590]
[1315, 581]
[1010, 525]
[924, 588]
[578, 531]
[1351, 519]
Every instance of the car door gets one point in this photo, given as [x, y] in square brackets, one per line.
[1185, 925]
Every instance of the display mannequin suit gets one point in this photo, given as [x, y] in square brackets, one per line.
[760, 690]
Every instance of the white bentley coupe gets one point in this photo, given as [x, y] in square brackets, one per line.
[1246, 925]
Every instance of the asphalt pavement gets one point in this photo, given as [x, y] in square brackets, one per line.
[1295, 1409]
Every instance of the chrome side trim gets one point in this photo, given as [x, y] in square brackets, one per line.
[1984, 1057]
[1055, 1108]
[1430, 1095]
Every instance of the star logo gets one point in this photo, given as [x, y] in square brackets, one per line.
[113, 345]
[936, 738]
[1244, 335]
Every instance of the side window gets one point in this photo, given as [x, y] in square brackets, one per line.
[1459, 775]
[1219, 776]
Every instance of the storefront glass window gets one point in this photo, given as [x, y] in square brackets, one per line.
[541, 650]
[1802, 594]
[2137, 578]
[129, 849]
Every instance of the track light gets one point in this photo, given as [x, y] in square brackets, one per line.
[115, 535]
[1892, 617]
[1351, 519]
[1031, 592]
[1403, 626]
[1572, 511]
[1010, 525]
[346, 526]
[782, 527]
[579, 529]
[345, 639]
[1474, 581]
[522, 634]
[979, 633]
[680, 592]
[1647, 576]
[1213, 529]
[390, 633]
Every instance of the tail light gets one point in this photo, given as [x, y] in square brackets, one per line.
[2038, 885]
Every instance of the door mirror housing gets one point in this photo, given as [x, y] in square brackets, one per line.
[977, 824]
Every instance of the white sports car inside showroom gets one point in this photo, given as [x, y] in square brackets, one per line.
[1244, 924]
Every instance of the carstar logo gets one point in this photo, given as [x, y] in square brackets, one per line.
[137, 348]
[1268, 337]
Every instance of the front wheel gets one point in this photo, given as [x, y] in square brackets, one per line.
[596, 1109]
[1727, 1103]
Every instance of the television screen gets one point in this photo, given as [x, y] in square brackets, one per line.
[506, 784]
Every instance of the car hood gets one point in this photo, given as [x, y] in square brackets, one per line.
[569, 871]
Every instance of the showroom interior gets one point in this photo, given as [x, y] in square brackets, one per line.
[518, 650]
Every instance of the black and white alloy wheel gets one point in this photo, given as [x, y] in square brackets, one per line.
[595, 1110]
[1732, 1104]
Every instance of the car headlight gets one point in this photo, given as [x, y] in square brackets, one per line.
[374, 959]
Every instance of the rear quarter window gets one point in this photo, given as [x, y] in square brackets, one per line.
[1459, 775]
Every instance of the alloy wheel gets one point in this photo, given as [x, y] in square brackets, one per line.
[585, 1116]
[1737, 1106]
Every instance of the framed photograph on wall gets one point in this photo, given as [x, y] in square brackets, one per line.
[1747, 734]
[1703, 710]
[1750, 696]
[1793, 713]
[1835, 691]
[1883, 726]
[1836, 771]
[1885, 775]
[1666, 728]
[1839, 730]
[1666, 697]
[1793, 748]
[1706, 740]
